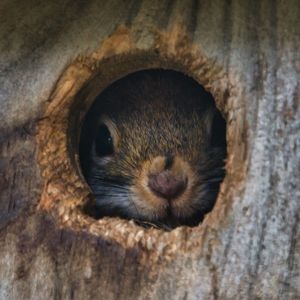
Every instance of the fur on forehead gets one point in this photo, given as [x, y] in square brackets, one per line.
[156, 110]
[152, 89]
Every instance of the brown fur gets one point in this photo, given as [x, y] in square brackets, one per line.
[150, 115]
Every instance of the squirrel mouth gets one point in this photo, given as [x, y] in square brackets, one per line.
[163, 191]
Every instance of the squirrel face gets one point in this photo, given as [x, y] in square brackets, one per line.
[148, 150]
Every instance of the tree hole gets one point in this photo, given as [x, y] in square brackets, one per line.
[152, 149]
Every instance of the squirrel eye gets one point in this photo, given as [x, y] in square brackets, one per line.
[104, 142]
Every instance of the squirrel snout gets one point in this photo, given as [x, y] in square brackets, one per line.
[166, 185]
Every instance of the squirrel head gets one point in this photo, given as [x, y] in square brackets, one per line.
[149, 152]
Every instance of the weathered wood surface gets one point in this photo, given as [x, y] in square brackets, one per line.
[252, 253]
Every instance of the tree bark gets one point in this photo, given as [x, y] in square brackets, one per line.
[247, 54]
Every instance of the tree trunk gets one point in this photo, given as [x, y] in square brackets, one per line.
[56, 56]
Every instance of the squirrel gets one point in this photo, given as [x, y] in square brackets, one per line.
[153, 149]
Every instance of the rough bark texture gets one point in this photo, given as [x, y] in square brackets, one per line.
[246, 53]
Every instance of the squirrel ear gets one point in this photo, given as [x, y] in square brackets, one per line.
[208, 120]
[215, 126]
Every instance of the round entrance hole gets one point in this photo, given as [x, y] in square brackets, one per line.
[152, 149]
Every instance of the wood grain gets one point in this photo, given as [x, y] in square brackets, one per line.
[248, 248]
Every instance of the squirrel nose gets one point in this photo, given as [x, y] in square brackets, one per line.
[166, 185]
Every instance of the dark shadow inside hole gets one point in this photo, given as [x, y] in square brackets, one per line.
[152, 149]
